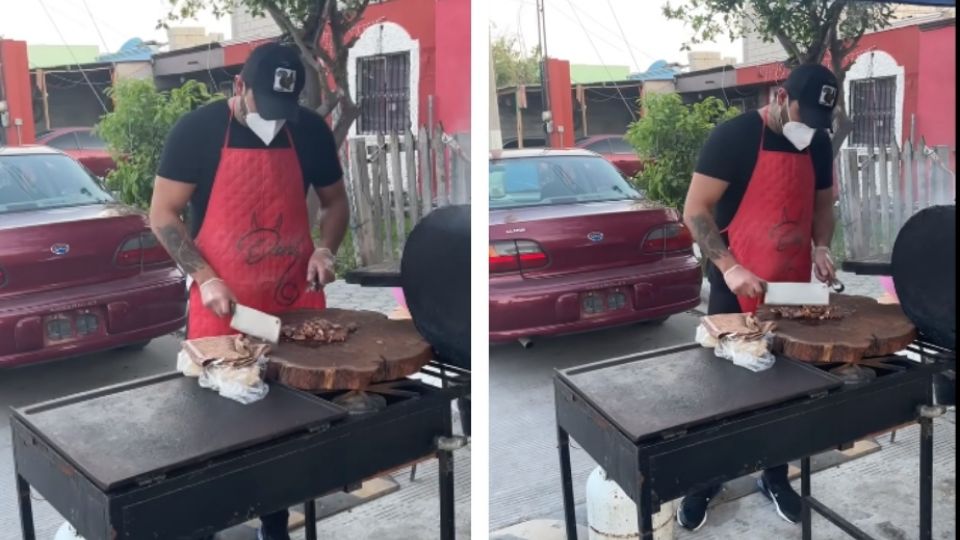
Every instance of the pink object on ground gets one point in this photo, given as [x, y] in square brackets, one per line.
[398, 295]
[887, 283]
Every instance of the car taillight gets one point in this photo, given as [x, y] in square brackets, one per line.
[668, 238]
[142, 249]
[516, 255]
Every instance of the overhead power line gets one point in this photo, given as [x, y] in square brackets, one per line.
[93, 89]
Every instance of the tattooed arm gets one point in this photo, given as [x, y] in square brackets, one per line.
[170, 198]
[702, 197]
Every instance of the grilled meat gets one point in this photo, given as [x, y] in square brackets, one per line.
[812, 313]
[316, 331]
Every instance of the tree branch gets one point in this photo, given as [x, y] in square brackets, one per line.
[284, 23]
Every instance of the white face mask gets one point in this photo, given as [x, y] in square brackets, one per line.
[265, 129]
[798, 133]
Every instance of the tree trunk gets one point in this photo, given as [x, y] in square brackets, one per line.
[312, 93]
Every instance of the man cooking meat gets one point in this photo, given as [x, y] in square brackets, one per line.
[244, 165]
[760, 207]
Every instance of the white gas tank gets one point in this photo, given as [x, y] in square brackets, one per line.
[67, 532]
[612, 515]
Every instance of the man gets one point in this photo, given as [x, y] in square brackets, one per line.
[760, 206]
[244, 165]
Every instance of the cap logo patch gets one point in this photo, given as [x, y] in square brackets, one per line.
[284, 80]
[828, 95]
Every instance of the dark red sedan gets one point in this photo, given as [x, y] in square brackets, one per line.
[83, 145]
[616, 150]
[79, 273]
[574, 247]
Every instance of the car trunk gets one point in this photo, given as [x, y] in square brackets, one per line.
[59, 248]
[586, 237]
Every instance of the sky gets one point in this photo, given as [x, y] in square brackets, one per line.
[116, 22]
[586, 31]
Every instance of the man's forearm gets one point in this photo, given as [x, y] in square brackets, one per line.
[823, 223]
[173, 234]
[334, 221]
[704, 230]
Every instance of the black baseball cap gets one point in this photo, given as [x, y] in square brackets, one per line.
[275, 74]
[815, 87]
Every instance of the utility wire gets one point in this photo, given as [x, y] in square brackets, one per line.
[106, 48]
[96, 94]
[622, 33]
[600, 57]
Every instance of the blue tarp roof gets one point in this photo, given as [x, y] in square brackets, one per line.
[658, 71]
[134, 50]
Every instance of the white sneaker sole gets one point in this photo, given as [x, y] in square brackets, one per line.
[698, 527]
[776, 504]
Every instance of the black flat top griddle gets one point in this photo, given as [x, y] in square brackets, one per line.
[376, 275]
[118, 434]
[649, 395]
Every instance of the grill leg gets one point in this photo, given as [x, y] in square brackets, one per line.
[645, 507]
[26, 509]
[310, 519]
[447, 524]
[805, 518]
[926, 478]
[566, 478]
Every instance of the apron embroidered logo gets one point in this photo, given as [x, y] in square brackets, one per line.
[284, 80]
[262, 242]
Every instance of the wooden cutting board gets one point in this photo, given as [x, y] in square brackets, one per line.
[872, 330]
[380, 350]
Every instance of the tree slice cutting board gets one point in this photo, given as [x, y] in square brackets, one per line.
[872, 330]
[380, 350]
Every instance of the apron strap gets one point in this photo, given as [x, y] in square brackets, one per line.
[226, 136]
[763, 132]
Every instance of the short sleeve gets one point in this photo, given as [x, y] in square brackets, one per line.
[720, 157]
[317, 150]
[182, 156]
[821, 152]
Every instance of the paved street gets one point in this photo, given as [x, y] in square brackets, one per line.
[410, 513]
[877, 492]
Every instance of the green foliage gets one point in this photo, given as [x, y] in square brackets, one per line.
[511, 65]
[807, 30]
[669, 137]
[136, 130]
[296, 11]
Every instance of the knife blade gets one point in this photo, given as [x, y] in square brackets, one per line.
[255, 323]
[797, 294]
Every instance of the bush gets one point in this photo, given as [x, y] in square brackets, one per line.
[137, 128]
[669, 137]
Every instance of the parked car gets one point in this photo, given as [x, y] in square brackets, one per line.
[616, 150]
[81, 144]
[574, 247]
[79, 272]
[528, 142]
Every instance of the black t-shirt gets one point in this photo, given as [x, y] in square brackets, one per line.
[731, 151]
[191, 153]
[730, 154]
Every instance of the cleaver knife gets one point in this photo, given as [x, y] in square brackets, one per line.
[797, 294]
[255, 323]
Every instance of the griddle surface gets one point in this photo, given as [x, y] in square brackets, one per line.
[647, 396]
[148, 427]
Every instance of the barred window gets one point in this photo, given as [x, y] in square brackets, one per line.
[383, 93]
[873, 110]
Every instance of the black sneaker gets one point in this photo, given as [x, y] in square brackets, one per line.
[273, 535]
[784, 498]
[692, 510]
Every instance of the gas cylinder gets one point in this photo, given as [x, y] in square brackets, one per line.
[67, 532]
[612, 515]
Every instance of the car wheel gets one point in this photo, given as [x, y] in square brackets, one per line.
[137, 346]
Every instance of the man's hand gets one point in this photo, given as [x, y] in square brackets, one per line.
[320, 269]
[743, 282]
[823, 265]
[217, 297]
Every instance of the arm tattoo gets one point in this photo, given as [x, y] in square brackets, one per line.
[181, 248]
[708, 237]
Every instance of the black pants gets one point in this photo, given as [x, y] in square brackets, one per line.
[777, 475]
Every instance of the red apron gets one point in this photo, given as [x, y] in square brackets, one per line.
[256, 235]
[771, 233]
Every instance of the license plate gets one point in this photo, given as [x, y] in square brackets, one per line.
[599, 302]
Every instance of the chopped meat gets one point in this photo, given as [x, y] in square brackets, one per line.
[317, 331]
[813, 313]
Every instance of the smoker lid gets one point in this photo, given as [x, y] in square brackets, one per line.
[647, 395]
[435, 272]
[924, 271]
[144, 428]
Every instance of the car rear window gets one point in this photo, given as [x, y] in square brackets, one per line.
[39, 181]
[89, 141]
[550, 180]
